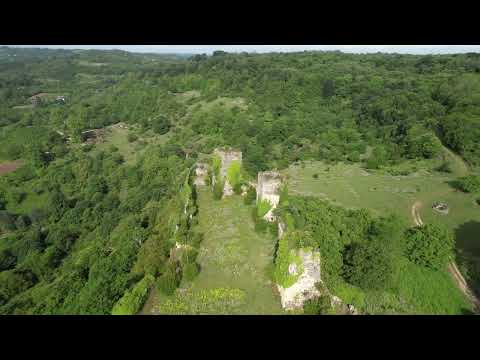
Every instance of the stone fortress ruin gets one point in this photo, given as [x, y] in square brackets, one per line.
[307, 269]
[268, 189]
[226, 156]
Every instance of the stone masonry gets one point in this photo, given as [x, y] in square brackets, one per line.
[268, 188]
[227, 156]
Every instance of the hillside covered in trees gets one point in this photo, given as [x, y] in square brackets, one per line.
[103, 144]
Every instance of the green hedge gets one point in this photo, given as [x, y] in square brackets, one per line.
[133, 300]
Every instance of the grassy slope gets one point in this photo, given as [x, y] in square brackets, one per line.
[233, 259]
[117, 136]
[351, 186]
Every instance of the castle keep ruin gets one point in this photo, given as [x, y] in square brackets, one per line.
[268, 189]
[226, 156]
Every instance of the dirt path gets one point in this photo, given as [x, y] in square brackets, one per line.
[416, 214]
[452, 267]
[462, 284]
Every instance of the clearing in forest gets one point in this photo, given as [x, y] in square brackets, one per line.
[382, 193]
[117, 136]
[234, 261]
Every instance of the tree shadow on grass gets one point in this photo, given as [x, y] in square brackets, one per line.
[468, 252]
[454, 184]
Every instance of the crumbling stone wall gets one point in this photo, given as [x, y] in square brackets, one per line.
[268, 188]
[304, 288]
[227, 156]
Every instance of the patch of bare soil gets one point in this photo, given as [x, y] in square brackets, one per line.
[416, 213]
[9, 166]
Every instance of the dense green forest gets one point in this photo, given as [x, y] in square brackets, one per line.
[86, 228]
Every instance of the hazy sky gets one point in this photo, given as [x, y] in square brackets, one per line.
[404, 49]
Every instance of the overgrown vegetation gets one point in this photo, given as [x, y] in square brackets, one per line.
[81, 223]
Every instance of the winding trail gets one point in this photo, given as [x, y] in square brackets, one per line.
[452, 267]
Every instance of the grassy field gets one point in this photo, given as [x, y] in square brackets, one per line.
[118, 137]
[352, 186]
[233, 260]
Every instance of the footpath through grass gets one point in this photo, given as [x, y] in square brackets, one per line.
[233, 260]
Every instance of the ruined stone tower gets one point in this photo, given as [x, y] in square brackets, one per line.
[201, 172]
[226, 156]
[268, 188]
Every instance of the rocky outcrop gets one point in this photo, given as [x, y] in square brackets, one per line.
[201, 173]
[304, 288]
[268, 189]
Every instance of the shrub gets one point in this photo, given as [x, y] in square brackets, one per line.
[7, 222]
[133, 300]
[317, 306]
[3, 202]
[431, 246]
[445, 167]
[261, 225]
[218, 190]
[237, 189]
[7, 260]
[22, 222]
[469, 184]
[263, 207]
[285, 257]
[168, 281]
[132, 137]
[250, 196]
[315, 176]
[190, 271]
[234, 176]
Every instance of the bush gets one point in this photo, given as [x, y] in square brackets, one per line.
[132, 301]
[190, 271]
[261, 225]
[263, 207]
[7, 260]
[250, 196]
[445, 167]
[315, 176]
[161, 125]
[431, 246]
[237, 189]
[22, 222]
[234, 176]
[3, 202]
[168, 281]
[7, 222]
[132, 138]
[469, 184]
[317, 306]
[218, 190]
[285, 257]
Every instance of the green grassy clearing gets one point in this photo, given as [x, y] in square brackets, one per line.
[118, 137]
[352, 186]
[233, 260]
[226, 102]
